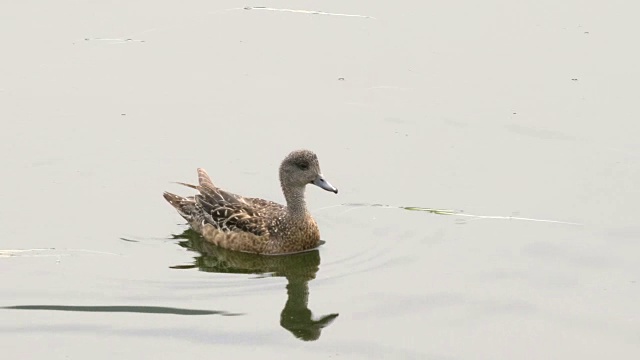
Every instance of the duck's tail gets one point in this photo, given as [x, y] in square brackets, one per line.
[186, 207]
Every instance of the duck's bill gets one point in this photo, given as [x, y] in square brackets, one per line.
[322, 183]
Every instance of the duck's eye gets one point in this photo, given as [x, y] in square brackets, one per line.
[303, 166]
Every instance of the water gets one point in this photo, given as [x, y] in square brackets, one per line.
[505, 110]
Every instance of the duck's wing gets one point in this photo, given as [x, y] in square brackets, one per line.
[230, 212]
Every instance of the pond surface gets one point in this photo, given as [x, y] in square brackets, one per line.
[516, 122]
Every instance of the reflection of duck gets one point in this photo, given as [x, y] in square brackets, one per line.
[256, 225]
[299, 269]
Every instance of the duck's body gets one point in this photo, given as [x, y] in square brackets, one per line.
[257, 225]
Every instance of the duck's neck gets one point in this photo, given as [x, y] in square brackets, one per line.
[296, 205]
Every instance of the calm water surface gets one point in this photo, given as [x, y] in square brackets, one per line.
[496, 109]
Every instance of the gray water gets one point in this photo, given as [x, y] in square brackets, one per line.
[514, 111]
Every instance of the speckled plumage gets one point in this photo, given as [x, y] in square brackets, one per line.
[256, 225]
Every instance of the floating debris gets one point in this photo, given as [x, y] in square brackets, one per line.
[312, 12]
[459, 213]
[114, 41]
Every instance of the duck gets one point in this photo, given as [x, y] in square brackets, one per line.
[255, 225]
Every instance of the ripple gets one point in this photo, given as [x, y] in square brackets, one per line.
[386, 243]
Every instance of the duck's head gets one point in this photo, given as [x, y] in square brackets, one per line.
[300, 168]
